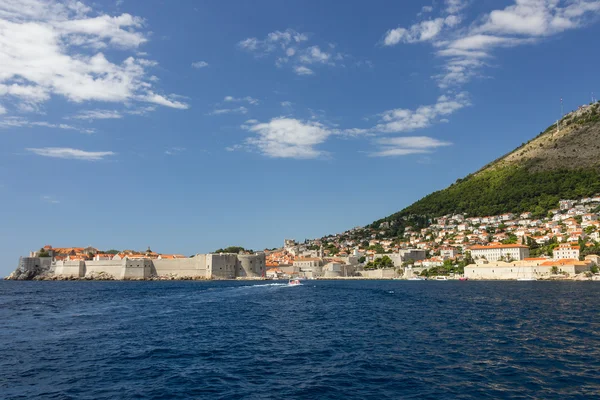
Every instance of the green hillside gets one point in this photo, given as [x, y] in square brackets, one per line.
[557, 164]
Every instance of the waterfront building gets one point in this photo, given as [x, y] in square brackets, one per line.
[495, 252]
[566, 251]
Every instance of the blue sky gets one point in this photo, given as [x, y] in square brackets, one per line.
[192, 125]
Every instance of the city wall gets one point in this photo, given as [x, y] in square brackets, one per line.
[387, 273]
[205, 266]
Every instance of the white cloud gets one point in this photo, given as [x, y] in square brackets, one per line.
[288, 138]
[221, 111]
[247, 99]
[2, 110]
[290, 48]
[315, 55]
[52, 48]
[69, 153]
[455, 6]
[421, 32]
[173, 151]
[286, 104]
[302, 70]
[524, 22]
[50, 199]
[98, 114]
[274, 41]
[405, 120]
[20, 122]
[199, 64]
[538, 17]
[152, 97]
[427, 9]
[401, 146]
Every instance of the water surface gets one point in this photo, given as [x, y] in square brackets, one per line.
[322, 340]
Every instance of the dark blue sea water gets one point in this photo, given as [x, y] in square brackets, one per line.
[323, 340]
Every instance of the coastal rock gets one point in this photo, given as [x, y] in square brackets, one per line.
[99, 276]
[29, 271]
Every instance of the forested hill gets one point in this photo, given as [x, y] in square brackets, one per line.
[557, 164]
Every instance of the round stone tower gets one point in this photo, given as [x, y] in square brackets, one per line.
[251, 265]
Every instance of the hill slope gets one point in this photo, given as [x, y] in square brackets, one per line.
[557, 164]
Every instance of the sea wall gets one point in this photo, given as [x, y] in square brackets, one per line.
[70, 269]
[201, 266]
[194, 267]
[514, 272]
[113, 268]
[387, 273]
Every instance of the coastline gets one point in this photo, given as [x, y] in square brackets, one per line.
[107, 277]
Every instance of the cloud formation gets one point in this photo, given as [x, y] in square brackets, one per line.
[406, 120]
[98, 114]
[287, 138]
[199, 64]
[52, 48]
[247, 99]
[20, 122]
[221, 111]
[69, 153]
[289, 47]
[421, 32]
[402, 146]
[467, 49]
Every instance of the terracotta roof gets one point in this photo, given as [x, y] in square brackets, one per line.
[499, 246]
[568, 261]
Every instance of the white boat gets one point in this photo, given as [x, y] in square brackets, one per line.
[294, 282]
[416, 278]
[441, 278]
[527, 279]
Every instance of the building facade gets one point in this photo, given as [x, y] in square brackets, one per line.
[566, 251]
[498, 252]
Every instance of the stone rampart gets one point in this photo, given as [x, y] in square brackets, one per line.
[206, 266]
[194, 267]
[72, 269]
[251, 266]
[113, 268]
[387, 273]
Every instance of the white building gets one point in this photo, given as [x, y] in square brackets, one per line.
[500, 251]
[566, 251]
[448, 252]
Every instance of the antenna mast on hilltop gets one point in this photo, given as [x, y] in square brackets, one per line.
[593, 98]
[561, 116]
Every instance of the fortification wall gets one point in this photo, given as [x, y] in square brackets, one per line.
[73, 269]
[379, 273]
[183, 267]
[136, 269]
[114, 268]
[222, 265]
[251, 266]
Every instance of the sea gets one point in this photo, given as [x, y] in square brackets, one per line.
[321, 340]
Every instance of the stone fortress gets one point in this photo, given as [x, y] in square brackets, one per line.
[200, 266]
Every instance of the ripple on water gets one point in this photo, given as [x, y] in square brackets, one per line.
[326, 340]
